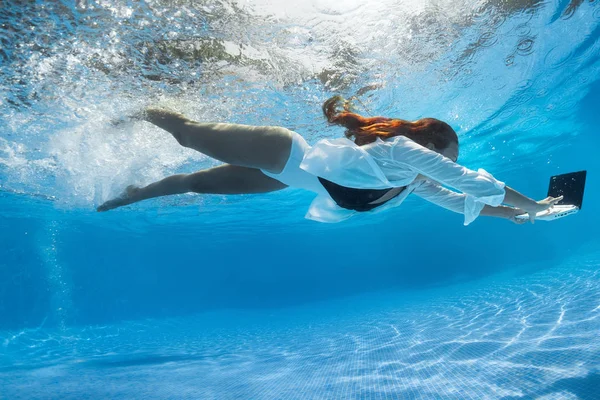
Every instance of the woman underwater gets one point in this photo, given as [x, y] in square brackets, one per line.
[386, 160]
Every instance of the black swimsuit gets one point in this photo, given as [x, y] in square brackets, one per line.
[356, 199]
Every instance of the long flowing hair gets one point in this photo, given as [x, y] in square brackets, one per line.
[365, 130]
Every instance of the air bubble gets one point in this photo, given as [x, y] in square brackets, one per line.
[525, 47]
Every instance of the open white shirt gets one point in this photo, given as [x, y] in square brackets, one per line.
[397, 162]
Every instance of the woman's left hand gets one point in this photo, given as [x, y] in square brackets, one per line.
[511, 215]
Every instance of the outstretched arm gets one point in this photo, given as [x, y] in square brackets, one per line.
[482, 186]
[530, 206]
[504, 212]
[455, 202]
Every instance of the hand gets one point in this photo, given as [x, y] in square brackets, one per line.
[543, 205]
[511, 215]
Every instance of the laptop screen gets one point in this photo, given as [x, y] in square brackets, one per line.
[570, 186]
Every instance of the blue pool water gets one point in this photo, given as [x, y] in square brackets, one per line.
[225, 297]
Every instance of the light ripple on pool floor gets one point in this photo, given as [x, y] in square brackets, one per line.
[518, 338]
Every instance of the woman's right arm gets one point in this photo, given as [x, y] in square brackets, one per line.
[531, 206]
[453, 201]
[482, 186]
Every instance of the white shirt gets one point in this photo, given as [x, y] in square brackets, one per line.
[397, 162]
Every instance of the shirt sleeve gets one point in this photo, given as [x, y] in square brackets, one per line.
[478, 186]
[456, 202]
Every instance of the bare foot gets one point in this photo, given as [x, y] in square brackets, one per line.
[127, 197]
[137, 116]
[150, 114]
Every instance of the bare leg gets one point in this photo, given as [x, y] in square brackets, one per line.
[224, 179]
[262, 147]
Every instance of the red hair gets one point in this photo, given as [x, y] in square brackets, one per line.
[366, 130]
